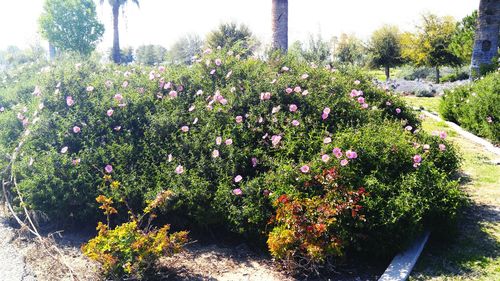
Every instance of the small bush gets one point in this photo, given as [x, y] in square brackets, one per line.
[475, 107]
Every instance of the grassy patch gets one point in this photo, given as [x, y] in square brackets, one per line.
[474, 252]
[428, 103]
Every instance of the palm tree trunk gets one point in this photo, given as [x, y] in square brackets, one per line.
[387, 73]
[486, 38]
[280, 24]
[116, 35]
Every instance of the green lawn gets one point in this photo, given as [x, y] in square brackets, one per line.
[428, 103]
[474, 252]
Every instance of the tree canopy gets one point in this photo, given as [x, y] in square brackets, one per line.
[232, 36]
[385, 48]
[71, 25]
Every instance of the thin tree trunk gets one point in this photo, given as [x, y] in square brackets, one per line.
[280, 24]
[116, 36]
[438, 76]
[52, 52]
[387, 73]
[486, 37]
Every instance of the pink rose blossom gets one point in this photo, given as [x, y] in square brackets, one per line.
[326, 110]
[275, 140]
[75, 161]
[305, 92]
[89, 88]
[76, 129]
[337, 152]
[304, 76]
[288, 90]
[110, 112]
[239, 119]
[325, 158]
[388, 103]
[215, 153]
[108, 169]
[417, 158]
[218, 140]
[238, 178]
[172, 94]
[351, 154]
[293, 108]
[64, 149]
[442, 147]
[254, 162]
[265, 96]
[297, 89]
[305, 169]
[179, 170]
[442, 134]
[118, 97]
[218, 62]
[295, 123]
[398, 110]
[344, 162]
[327, 140]
[185, 129]
[69, 101]
[364, 105]
[361, 100]
[237, 192]
[228, 142]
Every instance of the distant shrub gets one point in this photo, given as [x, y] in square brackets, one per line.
[475, 107]
[229, 137]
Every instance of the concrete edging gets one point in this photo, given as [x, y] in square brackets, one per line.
[402, 264]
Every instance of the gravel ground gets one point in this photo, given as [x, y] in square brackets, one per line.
[418, 86]
[12, 263]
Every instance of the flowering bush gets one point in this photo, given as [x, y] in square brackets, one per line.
[475, 107]
[229, 137]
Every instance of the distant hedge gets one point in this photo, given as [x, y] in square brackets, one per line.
[475, 107]
[316, 160]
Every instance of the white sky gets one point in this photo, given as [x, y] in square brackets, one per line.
[164, 21]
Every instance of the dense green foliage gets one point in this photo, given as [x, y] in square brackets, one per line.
[385, 48]
[229, 137]
[315, 51]
[230, 36]
[185, 49]
[150, 54]
[475, 107]
[349, 50]
[71, 25]
[462, 41]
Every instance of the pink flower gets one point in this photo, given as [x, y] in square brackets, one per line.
[293, 108]
[325, 158]
[75, 161]
[218, 140]
[304, 76]
[265, 96]
[185, 129]
[408, 128]
[364, 105]
[64, 149]
[275, 109]
[326, 110]
[254, 162]
[297, 89]
[109, 83]
[218, 62]
[108, 169]
[305, 92]
[398, 110]
[76, 129]
[417, 158]
[442, 134]
[288, 90]
[110, 112]
[170, 158]
[442, 147]
[295, 123]
[172, 94]
[426, 147]
[327, 140]
[388, 103]
[179, 170]
[118, 97]
[356, 82]
[228, 142]
[215, 153]
[275, 139]
[212, 72]
[351, 154]
[125, 84]
[238, 178]
[344, 162]
[285, 68]
[191, 108]
[489, 119]
[305, 169]
[337, 152]
[161, 68]
[324, 116]
[167, 85]
[237, 192]
[223, 101]
[361, 100]
[89, 88]
[69, 101]
[239, 119]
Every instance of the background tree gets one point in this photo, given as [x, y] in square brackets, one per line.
[233, 37]
[385, 48]
[71, 25]
[115, 7]
[349, 50]
[462, 40]
[185, 49]
[429, 46]
[280, 24]
[486, 37]
[316, 50]
[150, 54]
